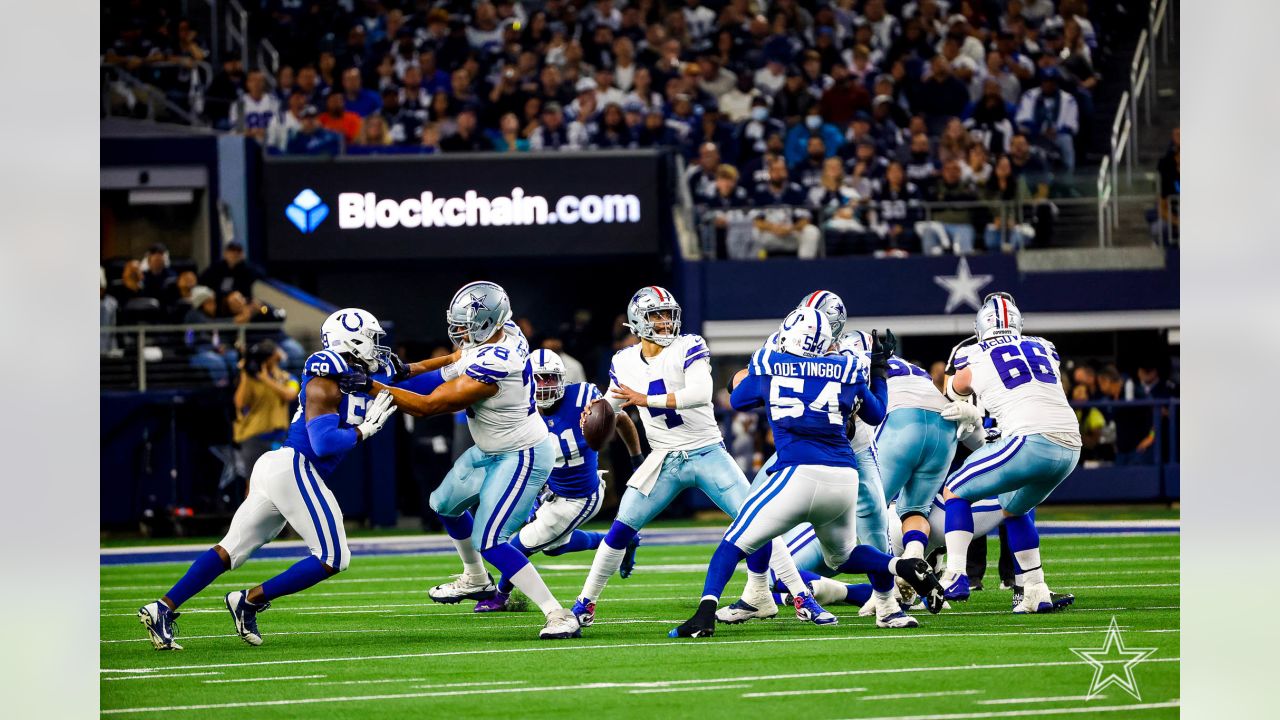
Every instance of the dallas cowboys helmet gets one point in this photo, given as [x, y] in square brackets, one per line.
[998, 316]
[855, 341]
[805, 332]
[355, 332]
[548, 377]
[829, 304]
[644, 304]
[476, 312]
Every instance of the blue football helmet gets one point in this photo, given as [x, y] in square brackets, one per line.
[646, 302]
[476, 312]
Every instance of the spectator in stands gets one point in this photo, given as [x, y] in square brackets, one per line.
[1134, 431]
[256, 110]
[940, 96]
[507, 138]
[1051, 118]
[954, 142]
[736, 104]
[430, 139]
[178, 302]
[290, 121]
[374, 136]
[286, 83]
[798, 137]
[701, 176]
[612, 131]
[129, 285]
[467, 137]
[232, 273]
[308, 83]
[404, 126]
[782, 224]
[338, 119]
[988, 119]
[262, 399]
[1166, 226]
[866, 168]
[976, 168]
[844, 98]
[951, 226]
[1005, 193]
[1030, 166]
[791, 104]
[920, 165]
[108, 308]
[896, 208]
[311, 137]
[222, 92]
[208, 351]
[837, 202]
[809, 171]
[158, 279]
[656, 132]
[727, 207]
[752, 134]
[1092, 425]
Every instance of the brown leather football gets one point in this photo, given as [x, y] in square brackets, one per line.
[600, 423]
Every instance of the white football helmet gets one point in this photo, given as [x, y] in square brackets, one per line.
[998, 316]
[805, 332]
[829, 304]
[855, 341]
[646, 302]
[548, 377]
[357, 333]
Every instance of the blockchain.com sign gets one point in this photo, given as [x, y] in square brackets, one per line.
[476, 205]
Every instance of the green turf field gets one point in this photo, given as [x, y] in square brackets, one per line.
[370, 644]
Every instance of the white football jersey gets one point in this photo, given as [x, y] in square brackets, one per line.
[508, 421]
[1016, 378]
[687, 429]
[863, 433]
[257, 114]
[910, 386]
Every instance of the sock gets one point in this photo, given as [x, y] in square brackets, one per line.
[914, 542]
[504, 584]
[758, 572]
[826, 590]
[881, 582]
[459, 529]
[1024, 541]
[297, 577]
[202, 572]
[857, 594]
[865, 558]
[959, 526]
[533, 586]
[784, 567]
[607, 560]
[580, 540]
[885, 604]
[723, 562]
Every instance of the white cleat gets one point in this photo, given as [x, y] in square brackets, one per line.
[1036, 598]
[245, 615]
[561, 625]
[868, 608]
[462, 588]
[896, 620]
[158, 619]
[741, 610]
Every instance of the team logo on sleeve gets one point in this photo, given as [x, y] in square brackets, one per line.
[307, 211]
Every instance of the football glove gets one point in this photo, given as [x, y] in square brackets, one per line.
[376, 414]
[355, 380]
[965, 414]
[882, 348]
[399, 370]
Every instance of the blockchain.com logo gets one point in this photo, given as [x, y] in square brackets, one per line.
[307, 211]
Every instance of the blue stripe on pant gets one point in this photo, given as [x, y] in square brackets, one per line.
[1021, 470]
[298, 460]
[756, 501]
[489, 485]
[328, 515]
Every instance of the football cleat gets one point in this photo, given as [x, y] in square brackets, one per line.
[702, 624]
[896, 620]
[1035, 599]
[561, 625]
[1060, 601]
[918, 575]
[808, 610]
[463, 588]
[904, 591]
[955, 586]
[497, 603]
[741, 611]
[585, 611]
[160, 623]
[629, 558]
[975, 586]
[245, 615]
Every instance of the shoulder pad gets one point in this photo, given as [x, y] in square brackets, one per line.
[323, 364]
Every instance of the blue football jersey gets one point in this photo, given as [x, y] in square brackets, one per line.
[575, 474]
[809, 401]
[327, 363]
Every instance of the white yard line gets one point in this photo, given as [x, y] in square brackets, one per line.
[686, 689]
[789, 693]
[156, 677]
[1027, 701]
[910, 696]
[185, 638]
[893, 637]
[1042, 711]
[264, 679]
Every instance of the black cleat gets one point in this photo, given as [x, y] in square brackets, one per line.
[702, 624]
[921, 578]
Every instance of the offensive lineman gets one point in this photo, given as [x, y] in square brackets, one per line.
[504, 472]
[1016, 379]
[288, 484]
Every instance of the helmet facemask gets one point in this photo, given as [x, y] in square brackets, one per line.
[548, 387]
[651, 325]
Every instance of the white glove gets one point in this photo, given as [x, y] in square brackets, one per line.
[965, 414]
[376, 414]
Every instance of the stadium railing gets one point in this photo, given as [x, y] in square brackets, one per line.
[148, 357]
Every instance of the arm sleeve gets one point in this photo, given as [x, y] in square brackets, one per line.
[423, 384]
[749, 393]
[875, 400]
[697, 389]
[329, 439]
[614, 402]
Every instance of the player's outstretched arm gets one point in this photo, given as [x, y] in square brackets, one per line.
[457, 394]
[749, 393]
[425, 366]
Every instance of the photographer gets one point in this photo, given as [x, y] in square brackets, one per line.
[262, 401]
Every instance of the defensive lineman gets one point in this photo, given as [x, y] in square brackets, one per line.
[1016, 379]
[504, 472]
[289, 484]
[575, 488]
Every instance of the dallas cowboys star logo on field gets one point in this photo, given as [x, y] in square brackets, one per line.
[1112, 651]
[962, 287]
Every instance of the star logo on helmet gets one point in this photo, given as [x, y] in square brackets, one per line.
[839, 307]
[477, 303]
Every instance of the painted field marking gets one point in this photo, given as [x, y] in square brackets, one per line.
[788, 693]
[909, 696]
[264, 679]
[1027, 701]
[156, 677]
[1041, 711]
[686, 689]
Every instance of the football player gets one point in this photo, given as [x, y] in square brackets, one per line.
[809, 397]
[668, 377]
[289, 484]
[501, 475]
[575, 487]
[1016, 378]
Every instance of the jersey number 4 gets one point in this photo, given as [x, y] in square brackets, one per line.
[1014, 370]
[658, 387]
[789, 406]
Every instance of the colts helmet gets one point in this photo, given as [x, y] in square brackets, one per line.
[805, 332]
[476, 312]
[829, 304]
[548, 377]
[646, 302]
[355, 332]
[855, 341]
[998, 316]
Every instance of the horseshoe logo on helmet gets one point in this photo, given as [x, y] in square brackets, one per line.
[359, 321]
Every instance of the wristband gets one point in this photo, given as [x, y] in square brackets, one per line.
[657, 401]
[451, 371]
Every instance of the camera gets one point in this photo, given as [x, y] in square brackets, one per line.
[258, 355]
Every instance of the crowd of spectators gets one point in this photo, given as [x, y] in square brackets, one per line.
[157, 290]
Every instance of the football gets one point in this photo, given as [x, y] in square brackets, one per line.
[599, 424]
